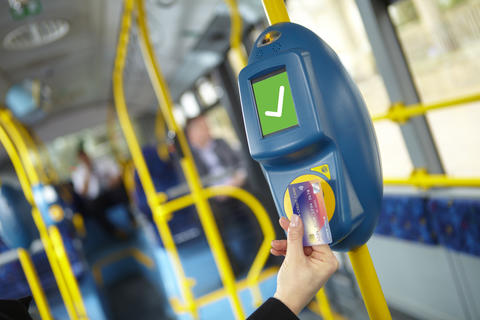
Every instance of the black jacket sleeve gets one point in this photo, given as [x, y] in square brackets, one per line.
[273, 309]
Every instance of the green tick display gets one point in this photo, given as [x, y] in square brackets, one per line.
[274, 100]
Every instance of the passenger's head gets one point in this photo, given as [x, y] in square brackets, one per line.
[197, 131]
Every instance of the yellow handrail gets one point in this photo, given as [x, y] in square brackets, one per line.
[162, 210]
[398, 112]
[67, 270]
[153, 200]
[25, 185]
[237, 54]
[201, 202]
[377, 308]
[31, 145]
[29, 177]
[276, 11]
[420, 178]
[21, 146]
[368, 283]
[34, 283]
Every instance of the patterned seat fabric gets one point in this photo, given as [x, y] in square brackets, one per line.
[457, 223]
[453, 223]
[406, 217]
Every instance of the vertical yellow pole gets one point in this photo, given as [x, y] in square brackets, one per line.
[64, 262]
[28, 177]
[34, 283]
[361, 261]
[368, 282]
[324, 305]
[25, 184]
[154, 202]
[237, 54]
[54, 264]
[205, 214]
[276, 11]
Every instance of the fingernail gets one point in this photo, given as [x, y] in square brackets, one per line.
[295, 220]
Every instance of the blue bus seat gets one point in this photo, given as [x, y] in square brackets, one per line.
[451, 222]
[456, 223]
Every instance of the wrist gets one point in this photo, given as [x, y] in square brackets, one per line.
[291, 304]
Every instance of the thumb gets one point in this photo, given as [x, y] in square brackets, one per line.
[295, 237]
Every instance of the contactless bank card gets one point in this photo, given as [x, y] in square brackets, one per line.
[307, 201]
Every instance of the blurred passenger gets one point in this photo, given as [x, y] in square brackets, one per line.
[219, 164]
[214, 158]
[99, 184]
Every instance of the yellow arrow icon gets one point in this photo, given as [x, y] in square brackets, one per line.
[323, 169]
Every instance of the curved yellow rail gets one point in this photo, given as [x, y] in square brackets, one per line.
[153, 199]
[28, 177]
[25, 185]
[162, 210]
[21, 146]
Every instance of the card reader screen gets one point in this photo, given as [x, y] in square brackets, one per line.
[274, 101]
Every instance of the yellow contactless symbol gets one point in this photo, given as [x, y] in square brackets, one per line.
[56, 213]
[328, 194]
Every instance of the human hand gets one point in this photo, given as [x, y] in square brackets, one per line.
[305, 269]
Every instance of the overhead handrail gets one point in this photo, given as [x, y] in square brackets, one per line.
[162, 210]
[400, 113]
[362, 264]
[56, 252]
[422, 179]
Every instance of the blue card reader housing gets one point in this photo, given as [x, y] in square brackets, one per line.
[334, 140]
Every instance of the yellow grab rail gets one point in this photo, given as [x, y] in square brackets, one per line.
[276, 11]
[21, 146]
[162, 210]
[368, 282]
[34, 284]
[377, 308]
[67, 270]
[28, 177]
[203, 208]
[31, 145]
[420, 178]
[25, 185]
[237, 54]
[139, 162]
[398, 112]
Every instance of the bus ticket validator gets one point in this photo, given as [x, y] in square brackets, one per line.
[309, 129]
